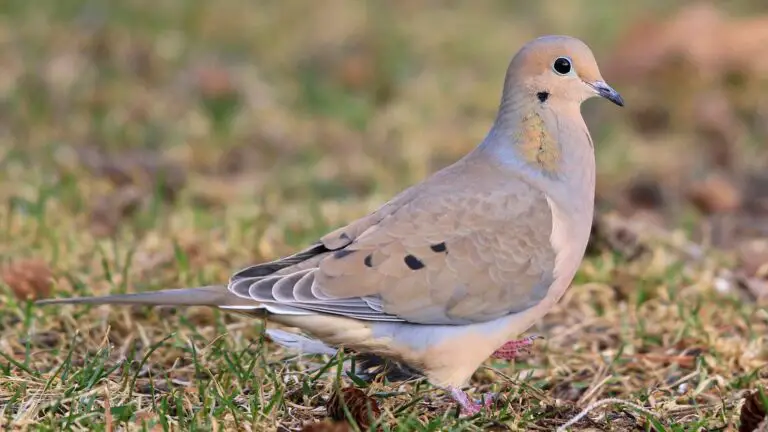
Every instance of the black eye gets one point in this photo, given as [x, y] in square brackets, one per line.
[562, 65]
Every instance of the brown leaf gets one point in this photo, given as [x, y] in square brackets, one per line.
[327, 426]
[214, 82]
[752, 413]
[715, 194]
[362, 408]
[357, 68]
[29, 279]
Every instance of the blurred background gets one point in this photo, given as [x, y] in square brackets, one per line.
[234, 104]
[147, 144]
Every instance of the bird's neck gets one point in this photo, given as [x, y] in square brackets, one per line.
[547, 143]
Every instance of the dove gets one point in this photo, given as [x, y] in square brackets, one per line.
[452, 270]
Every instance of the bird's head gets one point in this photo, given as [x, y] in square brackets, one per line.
[558, 69]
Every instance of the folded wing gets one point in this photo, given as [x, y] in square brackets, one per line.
[438, 254]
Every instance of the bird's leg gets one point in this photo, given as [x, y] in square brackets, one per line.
[468, 406]
[511, 349]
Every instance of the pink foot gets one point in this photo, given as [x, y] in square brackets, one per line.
[511, 349]
[468, 406]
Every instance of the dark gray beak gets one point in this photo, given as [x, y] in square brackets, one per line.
[606, 91]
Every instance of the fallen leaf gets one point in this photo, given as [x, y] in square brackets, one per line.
[715, 194]
[327, 426]
[752, 413]
[29, 279]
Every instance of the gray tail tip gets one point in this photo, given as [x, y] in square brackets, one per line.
[69, 300]
[49, 301]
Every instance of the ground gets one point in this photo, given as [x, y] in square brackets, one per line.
[148, 145]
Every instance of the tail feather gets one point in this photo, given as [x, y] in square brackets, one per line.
[368, 365]
[213, 295]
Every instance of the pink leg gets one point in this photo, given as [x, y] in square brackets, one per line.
[468, 406]
[511, 349]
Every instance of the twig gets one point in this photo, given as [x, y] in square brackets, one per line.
[598, 404]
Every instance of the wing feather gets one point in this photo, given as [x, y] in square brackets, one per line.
[442, 253]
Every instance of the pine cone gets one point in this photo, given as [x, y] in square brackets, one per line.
[28, 279]
[752, 413]
[364, 409]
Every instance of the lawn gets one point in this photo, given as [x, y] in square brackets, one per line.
[167, 143]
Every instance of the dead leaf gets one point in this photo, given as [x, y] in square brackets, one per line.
[29, 279]
[327, 426]
[214, 82]
[752, 413]
[715, 194]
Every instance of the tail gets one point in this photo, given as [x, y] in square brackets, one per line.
[213, 295]
[368, 365]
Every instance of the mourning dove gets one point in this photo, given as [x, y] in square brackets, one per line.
[444, 274]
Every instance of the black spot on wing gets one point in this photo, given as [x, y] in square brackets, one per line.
[440, 247]
[413, 263]
[368, 261]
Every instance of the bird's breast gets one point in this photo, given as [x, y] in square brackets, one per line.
[569, 237]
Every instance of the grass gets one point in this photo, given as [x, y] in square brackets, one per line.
[146, 145]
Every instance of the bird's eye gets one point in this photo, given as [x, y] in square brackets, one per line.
[562, 65]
